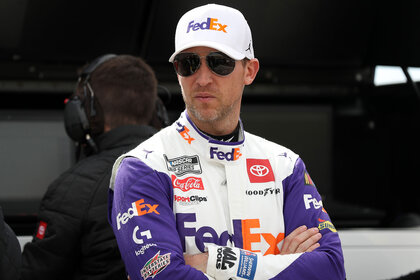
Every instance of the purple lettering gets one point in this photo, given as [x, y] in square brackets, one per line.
[181, 218]
[206, 234]
[200, 238]
[190, 25]
[205, 24]
[220, 155]
[196, 27]
[212, 151]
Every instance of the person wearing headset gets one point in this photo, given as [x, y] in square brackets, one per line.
[204, 199]
[10, 253]
[114, 107]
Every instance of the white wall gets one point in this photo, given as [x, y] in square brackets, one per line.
[379, 254]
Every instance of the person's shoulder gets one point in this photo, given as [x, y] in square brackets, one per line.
[267, 146]
[155, 144]
[150, 152]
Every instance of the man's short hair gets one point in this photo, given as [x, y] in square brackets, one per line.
[126, 89]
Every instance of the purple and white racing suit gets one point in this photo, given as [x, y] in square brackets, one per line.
[181, 192]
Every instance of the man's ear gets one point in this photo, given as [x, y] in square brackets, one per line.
[251, 70]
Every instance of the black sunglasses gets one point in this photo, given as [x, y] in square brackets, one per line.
[186, 64]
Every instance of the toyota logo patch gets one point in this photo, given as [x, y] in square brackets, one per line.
[259, 170]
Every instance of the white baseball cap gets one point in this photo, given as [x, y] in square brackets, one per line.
[215, 26]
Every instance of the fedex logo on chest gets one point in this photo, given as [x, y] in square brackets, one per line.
[247, 233]
[231, 155]
[210, 24]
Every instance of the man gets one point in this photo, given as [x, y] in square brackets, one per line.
[204, 199]
[10, 254]
[109, 114]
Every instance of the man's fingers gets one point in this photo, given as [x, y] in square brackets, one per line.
[290, 237]
[301, 240]
[308, 243]
[313, 247]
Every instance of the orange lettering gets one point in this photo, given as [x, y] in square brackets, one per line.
[140, 206]
[249, 237]
[213, 24]
[237, 153]
[186, 136]
[273, 250]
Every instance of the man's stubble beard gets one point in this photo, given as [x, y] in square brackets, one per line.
[218, 113]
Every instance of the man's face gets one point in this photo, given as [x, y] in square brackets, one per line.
[210, 98]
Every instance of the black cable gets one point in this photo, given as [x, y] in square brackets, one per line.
[411, 82]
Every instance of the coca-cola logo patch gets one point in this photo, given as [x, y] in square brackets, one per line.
[186, 184]
[259, 170]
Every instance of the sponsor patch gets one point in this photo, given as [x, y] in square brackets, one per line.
[183, 131]
[138, 208]
[155, 265]
[246, 234]
[138, 237]
[232, 155]
[144, 248]
[209, 24]
[247, 265]
[183, 165]
[189, 200]
[308, 180]
[264, 192]
[225, 258]
[308, 200]
[259, 170]
[186, 184]
[326, 225]
[42, 228]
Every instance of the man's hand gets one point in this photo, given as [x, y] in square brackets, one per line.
[198, 261]
[301, 240]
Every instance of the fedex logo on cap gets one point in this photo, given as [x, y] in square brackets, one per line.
[210, 23]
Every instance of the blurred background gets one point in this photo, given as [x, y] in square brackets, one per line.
[316, 93]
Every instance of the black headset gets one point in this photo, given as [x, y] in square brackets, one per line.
[77, 122]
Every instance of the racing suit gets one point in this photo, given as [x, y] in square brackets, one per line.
[183, 192]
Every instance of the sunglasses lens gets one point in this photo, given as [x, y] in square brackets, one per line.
[220, 63]
[186, 64]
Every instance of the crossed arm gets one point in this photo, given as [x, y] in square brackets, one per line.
[300, 240]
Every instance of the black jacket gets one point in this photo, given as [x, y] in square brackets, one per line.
[73, 239]
[10, 255]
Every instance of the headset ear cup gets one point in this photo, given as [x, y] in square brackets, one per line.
[75, 120]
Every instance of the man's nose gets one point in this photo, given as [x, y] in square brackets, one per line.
[204, 75]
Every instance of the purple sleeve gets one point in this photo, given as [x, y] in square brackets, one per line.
[303, 206]
[141, 216]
